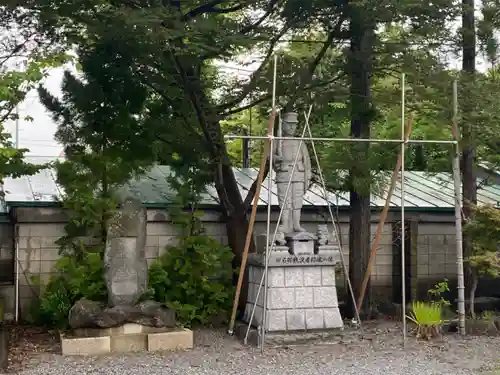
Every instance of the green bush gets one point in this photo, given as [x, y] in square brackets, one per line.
[74, 280]
[195, 279]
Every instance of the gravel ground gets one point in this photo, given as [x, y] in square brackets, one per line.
[216, 353]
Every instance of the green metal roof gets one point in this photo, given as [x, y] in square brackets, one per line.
[422, 191]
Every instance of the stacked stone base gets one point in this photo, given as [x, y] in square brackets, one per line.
[125, 339]
[299, 297]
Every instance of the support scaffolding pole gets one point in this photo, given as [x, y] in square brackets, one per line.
[269, 205]
[372, 140]
[404, 137]
[335, 230]
[458, 215]
[382, 218]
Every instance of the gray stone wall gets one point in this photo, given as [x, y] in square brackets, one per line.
[39, 228]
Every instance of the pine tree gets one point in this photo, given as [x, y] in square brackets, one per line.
[105, 142]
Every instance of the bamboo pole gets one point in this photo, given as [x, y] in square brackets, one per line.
[458, 215]
[248, 240]
[381, 222]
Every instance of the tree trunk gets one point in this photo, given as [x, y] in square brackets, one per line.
[472, 296]
[236, 226]
[360, 68]
[469, 179]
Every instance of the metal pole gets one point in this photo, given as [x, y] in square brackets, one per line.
[250, 141]
[403, 232]
[268, 232]
[458, 215]
[374, 140]
[337, 232]
[16, 239]
[269, 206]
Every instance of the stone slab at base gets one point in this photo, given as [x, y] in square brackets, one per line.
[86, 345]
[288, 338]
[125, 339]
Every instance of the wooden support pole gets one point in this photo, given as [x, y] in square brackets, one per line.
[248, 241]
[382, 219]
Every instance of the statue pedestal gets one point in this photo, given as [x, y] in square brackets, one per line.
[301, 291]
[301, 243]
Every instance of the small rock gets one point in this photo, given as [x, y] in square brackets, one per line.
[164, 316]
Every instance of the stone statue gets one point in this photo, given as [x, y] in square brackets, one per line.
[126, 276]
[284, 156]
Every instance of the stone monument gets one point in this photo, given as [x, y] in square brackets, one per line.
[126, 275]
[301, 276]
[124, 323]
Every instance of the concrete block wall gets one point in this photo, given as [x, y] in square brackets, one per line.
[38, 252]
[436, 251]
[39, 228]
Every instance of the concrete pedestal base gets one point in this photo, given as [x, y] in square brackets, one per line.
[301, 292]
[124, 339]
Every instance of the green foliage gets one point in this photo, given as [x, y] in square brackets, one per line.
[195, 279]
[25, 60]
[75, 279]
[488, 316]
[101, 130]
[428, 318]
[436, 293]
[484, 228]
[486, 264]
[189, 184]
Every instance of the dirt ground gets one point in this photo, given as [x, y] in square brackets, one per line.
[28, 344]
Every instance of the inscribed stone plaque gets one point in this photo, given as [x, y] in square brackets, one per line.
[325, 258]
[125, 258]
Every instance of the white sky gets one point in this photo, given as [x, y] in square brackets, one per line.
[38, 135]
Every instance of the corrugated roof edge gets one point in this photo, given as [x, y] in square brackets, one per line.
[263, 208]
